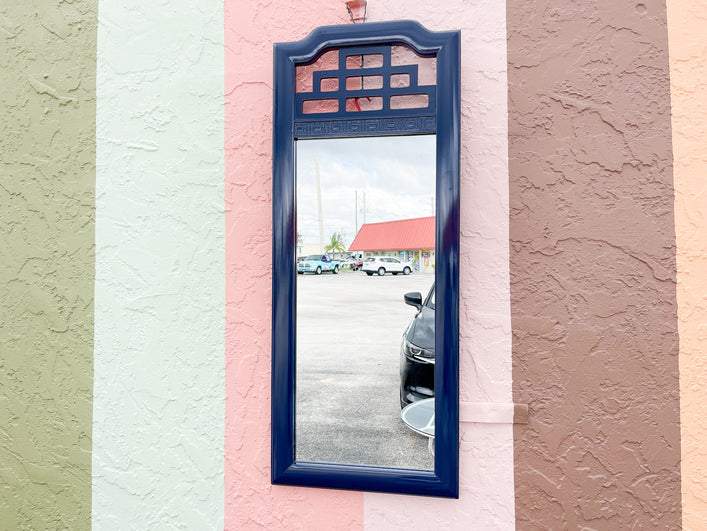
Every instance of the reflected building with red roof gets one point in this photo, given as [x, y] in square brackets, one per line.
[411, 240]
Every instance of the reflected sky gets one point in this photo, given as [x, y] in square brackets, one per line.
[396, 174]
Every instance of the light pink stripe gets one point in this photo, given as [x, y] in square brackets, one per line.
[486, 450]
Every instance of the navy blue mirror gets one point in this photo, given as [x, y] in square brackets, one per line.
[366, 210]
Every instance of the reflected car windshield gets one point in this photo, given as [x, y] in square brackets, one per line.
[430, 302]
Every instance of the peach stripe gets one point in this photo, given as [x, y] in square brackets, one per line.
[688, 72]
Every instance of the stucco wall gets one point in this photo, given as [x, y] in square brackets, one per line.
[47, 164]
[593, 265]
[687, 29]
[592, 272]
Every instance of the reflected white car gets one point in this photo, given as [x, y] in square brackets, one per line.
[385, 264]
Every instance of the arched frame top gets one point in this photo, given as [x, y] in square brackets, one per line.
[442, 118]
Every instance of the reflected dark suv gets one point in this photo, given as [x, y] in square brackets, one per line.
[417, 351]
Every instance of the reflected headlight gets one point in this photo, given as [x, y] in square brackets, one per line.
[418, 353]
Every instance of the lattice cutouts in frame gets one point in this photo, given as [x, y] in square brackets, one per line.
[366, 82]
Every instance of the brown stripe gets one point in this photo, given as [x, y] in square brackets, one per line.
[593, 265]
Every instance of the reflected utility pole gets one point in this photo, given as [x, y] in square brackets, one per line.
[356, 215]
[364, 207]
[319, 205]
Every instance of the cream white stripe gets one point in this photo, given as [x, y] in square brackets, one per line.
[158, 457]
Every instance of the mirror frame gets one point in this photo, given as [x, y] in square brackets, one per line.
[289, 124]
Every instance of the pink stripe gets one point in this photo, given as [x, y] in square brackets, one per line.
[251, 502]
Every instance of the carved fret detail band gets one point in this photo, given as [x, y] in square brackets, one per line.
[373, 126]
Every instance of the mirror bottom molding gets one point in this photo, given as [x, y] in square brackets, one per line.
[363, 478]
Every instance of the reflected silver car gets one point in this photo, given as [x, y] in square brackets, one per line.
[385, 264]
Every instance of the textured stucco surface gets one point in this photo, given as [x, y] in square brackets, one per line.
[687, 32]
[47, 168]
[158, 453]
[592, 254]
[593, 265]
[486, 449]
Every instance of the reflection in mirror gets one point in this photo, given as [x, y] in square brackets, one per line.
[365, 321]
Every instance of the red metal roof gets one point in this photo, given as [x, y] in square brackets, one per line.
[417, 233]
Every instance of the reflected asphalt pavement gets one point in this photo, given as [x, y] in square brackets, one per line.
[349, 328]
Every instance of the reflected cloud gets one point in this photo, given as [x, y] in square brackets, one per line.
[394, 177]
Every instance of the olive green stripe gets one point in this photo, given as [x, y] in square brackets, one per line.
[47, 195]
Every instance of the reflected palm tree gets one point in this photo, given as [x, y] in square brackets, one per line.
[336, 244]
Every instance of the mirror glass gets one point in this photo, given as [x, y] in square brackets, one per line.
[365, 221]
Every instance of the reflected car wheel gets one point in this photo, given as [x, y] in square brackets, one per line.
[381, 271]
[369, 273]
[406, 271]
[318, 271]
[336, 269]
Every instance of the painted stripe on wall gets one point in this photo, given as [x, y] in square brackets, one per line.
[593, 265]
[47, 169]
[486, 499]
[159, 345]
[688, 71]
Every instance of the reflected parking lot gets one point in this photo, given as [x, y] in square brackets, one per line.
[349, 328]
